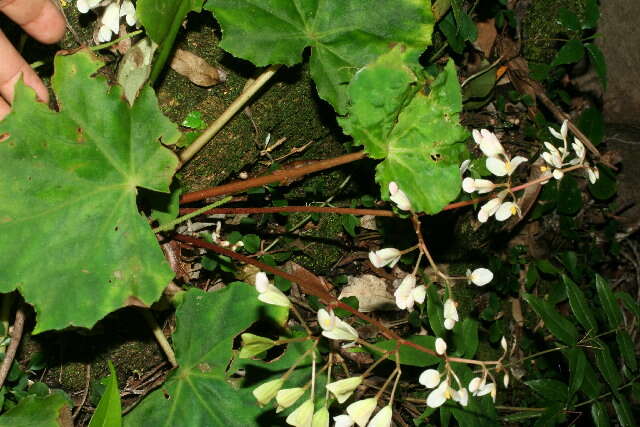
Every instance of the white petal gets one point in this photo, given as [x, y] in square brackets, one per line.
[326, 320]
[506, 210]
[429, 378]
[383, 257]
[503, 344]
[441, 346]
[464, 166]
[403, 295]
[558, 174]
[399, 197]
[484, 186]
[488, 143]
[515, 162]
[128, 10]
[469, 185]
[593, 174]
[302, 416]
[361, 410]
[343, 421]
[578, 147]
[274, 296]
[449, 324]
[475, 384]
[505, 380]
[104, 34]
[489, 209]
[382, 418]
[555, 133]
[450, 311]
[481, 276]
[564, 128]
[262, 282]
[485, 389]
[438, 396]
[111, 18]
[419, 293]
[83, 6]
[342, 331]
[461, 396]
[496, 166]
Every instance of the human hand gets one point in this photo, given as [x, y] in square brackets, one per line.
[43, 21]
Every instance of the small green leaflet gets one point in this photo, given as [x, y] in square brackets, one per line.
[418, 135]
[343, 35]
[108, 412]
[198, 393]
[68, 189]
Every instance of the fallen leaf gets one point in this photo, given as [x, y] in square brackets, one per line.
[196, 69]
[487, 34]
[371, 292]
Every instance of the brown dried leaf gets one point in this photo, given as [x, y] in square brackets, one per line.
[487, 34]
[371, 292]
[196, 69]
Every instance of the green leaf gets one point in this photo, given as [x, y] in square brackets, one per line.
[450, 30]
[608, 302]
[162, 20]
[350, 222]
[197, 393]
[598, 61]
[551, 390]
[470, 337]
[466, 27]
[577, 365]
[599, 414]
[411, 356]
[591, 385]
[418, 135]
[580, 307]
[343, 36]
[591, 124]
[68, 197]
[629, 303]
[570, 53]
[569, 19]
[591, 14]
[108, 413]
[435, 312]
[623, 411]
[251, 243]
[560, 327]
[39, 411]
[570, 197]
[194, 120]
[626, 347]
[606, 364]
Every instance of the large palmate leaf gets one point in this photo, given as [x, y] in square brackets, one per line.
[73, 241]
[415, 129]
[343, 35]
[197, 393]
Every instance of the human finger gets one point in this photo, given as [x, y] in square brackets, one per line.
[4, 110]
[12, 67]
[40, 18]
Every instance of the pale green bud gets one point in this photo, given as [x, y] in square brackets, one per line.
[342, 389]
[288, 396]
[254, 344]
[267, 391]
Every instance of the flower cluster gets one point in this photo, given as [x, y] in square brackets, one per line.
[556, 157]
[499, 164]
[112, 11]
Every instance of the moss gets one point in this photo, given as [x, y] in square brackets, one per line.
[322, 249]
[541, 29]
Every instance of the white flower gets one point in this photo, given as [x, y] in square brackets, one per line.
[382, 418]
[506, 210]
[553, 156]
[475, 384]
[429, 378]
[269, 294]
[593, 173]
[335, 328]
[438, 396]
[506, 167]
[563, 131]
[85, 5]
[505, 379]
[342, 389]
[302, 416]
[461, 396]
[343, 421]
[450, 314]
[503, 344]
[581, 152]
[407, 293]
[469, 185]
[128, 10]
[488, 142]
[399, 197]
[267, 391]
[321, 418]
[361, 411]
[384, 257]
[287, 397]
[488, 209]
[464, 166]
[482, 388]
[110, 20]
[441, 346]
[480, 276]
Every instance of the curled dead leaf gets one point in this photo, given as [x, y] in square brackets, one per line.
[196, 69]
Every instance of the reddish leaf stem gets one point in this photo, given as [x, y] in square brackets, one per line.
[284, 175]
[311, 286]
[275, 209]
